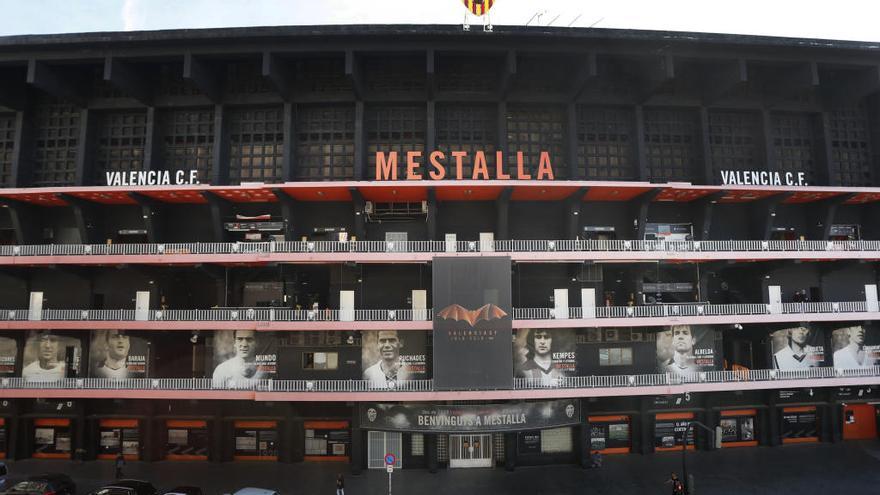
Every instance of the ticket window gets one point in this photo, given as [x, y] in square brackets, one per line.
[256, 441]
[800, 425]
[52, 438]
[117, 436]
[669, 432]
[611, 434]
[859, 422]
[3, 436]
[327, 441]
[186, 440]
[738, 428]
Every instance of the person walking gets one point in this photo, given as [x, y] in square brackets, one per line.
[677, 485]
[340, 484]
[120, 463]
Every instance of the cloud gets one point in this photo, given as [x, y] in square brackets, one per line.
[130, 16]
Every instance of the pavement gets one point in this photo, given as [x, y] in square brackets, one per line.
[851, 467]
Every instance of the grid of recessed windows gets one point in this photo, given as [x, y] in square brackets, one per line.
[468, 74]
[387, 74]
[7, 143]
[399, 128]
[671, 144]
[245, 78]
[188, 139]
[734, 139]
[324, 142]
[467, 128]
[793, 143]
[850, 147]
[532, 129]
[605, 143]
[120, 143]
[256, 139]
[55, 146]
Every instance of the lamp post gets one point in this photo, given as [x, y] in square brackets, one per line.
[714, 436]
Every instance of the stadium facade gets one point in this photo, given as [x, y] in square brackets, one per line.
[308, 244]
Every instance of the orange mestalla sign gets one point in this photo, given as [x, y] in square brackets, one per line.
[479, 7]
[438, 167]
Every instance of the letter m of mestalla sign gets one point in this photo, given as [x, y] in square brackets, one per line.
[479, 7]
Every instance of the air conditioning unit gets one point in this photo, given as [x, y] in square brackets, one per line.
[368, 208]
[425, 207]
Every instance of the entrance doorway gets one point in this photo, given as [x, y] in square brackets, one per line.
[859, 422]
[470, 451]
[380, 443]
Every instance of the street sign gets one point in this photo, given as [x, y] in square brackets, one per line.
[390, 459]
[389, 468]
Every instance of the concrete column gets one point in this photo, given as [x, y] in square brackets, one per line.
[431, 452]
[560, 302]
[420, 304]
[871, 303]
[36, 306]
[588, 302]
[774, 293]
[142, 305]
[346, 305]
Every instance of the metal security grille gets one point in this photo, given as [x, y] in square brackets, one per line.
[7, 143]
[605, 143]
[55, 146]
[324, 142]
[671, 150]
[557, 440]
[397, 128]
[172, 83]
[532, 129]
[442, 448]
[120, 143]
[850, 147]
[468, 128]
[322, 75]
[793, 143]
[380, 443]
[498, 441]
[467, 74]
[188, 138]
[395, 75]
[417, 444]
[256, 138]
[244, 78]
[734, 139]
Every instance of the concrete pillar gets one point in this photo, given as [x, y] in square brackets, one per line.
[346, 305]
[420, 304]
[36, 306]
[774, 297]
[142, 305]
[871, 304]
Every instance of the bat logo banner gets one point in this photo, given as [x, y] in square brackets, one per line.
[472, 331]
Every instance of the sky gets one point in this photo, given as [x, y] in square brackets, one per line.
[842, 19]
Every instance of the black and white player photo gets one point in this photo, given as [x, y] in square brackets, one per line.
[797, 346]
[45, 356]
[544, 354]
[116, 354]
[852, 347]
[242, 357]
[685, 350]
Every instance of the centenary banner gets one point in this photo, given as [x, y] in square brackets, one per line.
[797, 346]
[855, 346]
[119, 355]
[243, 356]
[472, 323]
[8, 356]
[391, 356]
[514, 416]
[47, 356]
[545, 354]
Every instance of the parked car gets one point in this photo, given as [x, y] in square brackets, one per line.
[183, 490]
[126, 487]
[255, 491]
[43, 484]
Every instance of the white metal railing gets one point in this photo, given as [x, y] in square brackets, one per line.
[392, 315]
[509, 246]
[573, 382]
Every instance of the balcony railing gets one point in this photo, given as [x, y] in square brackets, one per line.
[510, 246]
[392, 315]
[577, 382]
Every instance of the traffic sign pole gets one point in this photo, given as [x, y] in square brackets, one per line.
[390, 459]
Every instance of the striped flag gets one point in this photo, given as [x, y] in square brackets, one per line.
[479, 7]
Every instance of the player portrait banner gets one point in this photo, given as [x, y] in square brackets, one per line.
[392, 356]
[8, 356]
[544, 354]
[514, 416]
[855, 345]
[244, 356]
[796, 346]
[118, 354]
[49, 357]
[472, 323]
[686, 350]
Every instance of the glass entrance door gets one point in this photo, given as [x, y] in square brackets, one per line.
[466, 451]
